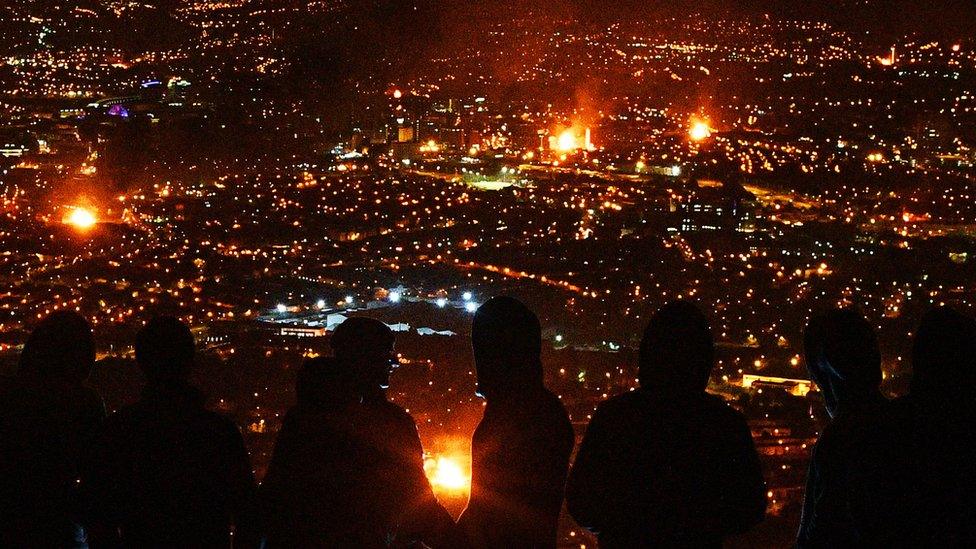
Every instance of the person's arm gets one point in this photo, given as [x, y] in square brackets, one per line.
[241, 490]
[826, 519]
[589, 490]
[102, 493]
[424, 518]
[745, 500]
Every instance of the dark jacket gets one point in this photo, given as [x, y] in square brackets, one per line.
[659, 470]
[170, 473]
[401, 494]
[351, 477]
[312, 494]
[46, 434]
[861, 486]
[520, 456]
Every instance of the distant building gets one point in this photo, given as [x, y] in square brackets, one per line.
[303, 331]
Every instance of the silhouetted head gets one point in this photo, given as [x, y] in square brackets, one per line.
[60, 347]
[944, 357]
[164, 351]
[364, 346]
[507, 341]
[323, 384]
[677, 351]
[843, 358]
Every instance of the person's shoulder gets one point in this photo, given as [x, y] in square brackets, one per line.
[219, 423]
[392, 413]
[624, 404]
[718, 411]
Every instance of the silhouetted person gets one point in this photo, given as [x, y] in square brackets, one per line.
[170, 473]
[942, 410]
[520, 450]
[396, 490]
[668, 465]
[48, 419]
[859, 486]
[313, 492]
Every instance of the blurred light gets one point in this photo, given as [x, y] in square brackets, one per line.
[441, 302]
[471, 306]
[567, 141]
[446, 474]
[700, 130]
[320, 304]
[281, 308]
[81, 218]
[350, 299]
[394, 297]
[467, 296]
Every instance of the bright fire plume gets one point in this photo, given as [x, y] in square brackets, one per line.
[80, 218]
[699, 130]
[446, 474]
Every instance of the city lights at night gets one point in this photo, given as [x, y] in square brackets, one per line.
[265, 171]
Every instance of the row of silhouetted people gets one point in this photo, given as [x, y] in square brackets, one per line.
[664, 465]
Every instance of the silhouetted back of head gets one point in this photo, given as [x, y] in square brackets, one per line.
[364, 346]
[164, 350]
[677, 351]
[361, 336]
[507, 341]
[843, 357]
[323, 384]
[61, 347]
[944, 356]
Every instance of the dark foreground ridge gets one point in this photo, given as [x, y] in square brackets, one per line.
[664, 465]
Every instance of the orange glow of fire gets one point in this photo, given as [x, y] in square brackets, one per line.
[571, 140]
[699, 130]
[447, 475]
[80, 218]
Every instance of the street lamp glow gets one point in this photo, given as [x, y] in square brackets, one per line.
[467, 296]
[281, 308]
[441, 302]
[320, 304]
[394, 297]
[350, 299]
[471, 306]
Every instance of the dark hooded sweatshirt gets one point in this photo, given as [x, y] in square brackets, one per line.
[665, 469]
[860, 482]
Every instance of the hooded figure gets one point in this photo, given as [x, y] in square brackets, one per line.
[942, 411]
[858, 485]
[843, 359]
[668, 464]
[48, 419]
[520, 450]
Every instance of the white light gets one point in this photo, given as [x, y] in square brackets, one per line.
[282, 308]
[471, 306]
[466, 296]
[441, 302]
[320, 304]
[350, 299]
[394, 297]
[559, 338]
